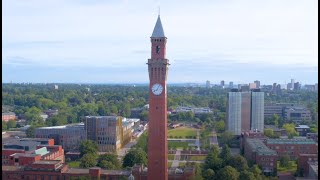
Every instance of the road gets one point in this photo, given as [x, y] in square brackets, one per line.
[123, 151]
[213, 139]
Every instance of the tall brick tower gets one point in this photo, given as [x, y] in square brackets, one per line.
[158, 70]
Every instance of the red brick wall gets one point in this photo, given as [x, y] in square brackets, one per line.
[303, 162]
[293, 150]
[6, 155]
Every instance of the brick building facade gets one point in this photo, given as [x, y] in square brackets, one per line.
[292, 147]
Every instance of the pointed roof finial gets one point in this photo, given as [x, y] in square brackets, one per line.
[158, 30]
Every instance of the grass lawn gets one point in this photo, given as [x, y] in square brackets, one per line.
[182, 132]
[171, 156]
[169, 164]
[182, 164]
[292, 167]
[177, 144]
[74, 164]
[197, 158]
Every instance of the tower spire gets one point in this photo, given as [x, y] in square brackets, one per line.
[158, 29]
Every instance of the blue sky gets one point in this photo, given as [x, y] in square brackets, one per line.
[98, 41]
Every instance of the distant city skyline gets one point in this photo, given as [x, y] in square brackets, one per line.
[77, 41]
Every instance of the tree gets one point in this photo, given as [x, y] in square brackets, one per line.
[225, 153]
[109, 161]
[30, 132]
[134, 156]
[33, 116]
[276, 119]
[246, 175]
[212, 160]
[238, 162]
[284, 160]
[290, 129]
[4, 125]
[88, 160]
[88, 147]
[220, 126]
[269, 132]
[228, 172]
[11, 124]
[226, 137]
[208, 174]
[256, 171]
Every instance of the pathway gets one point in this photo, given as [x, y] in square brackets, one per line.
[176, 160]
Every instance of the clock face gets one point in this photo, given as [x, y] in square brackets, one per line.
[157, 89]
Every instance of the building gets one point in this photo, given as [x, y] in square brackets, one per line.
[296, 114]
[296, 86]
[313, 136]
[257, 83]
[303, 163]
[313, 169]
[292, 84]
[287, 111]
[135, 112]
[157, 132]
[316, 87]
[51, 112]
[302, 130]
[25, 151]
[55, 169]
[257, 110]
[107, 131]
[68, 136]
[256, 151]
[277, 108]
[234, 122]
[208, 84]
[198, 111]
[292, 147]
[222, 83]
[252, 86]
[141, 173]
[245, 111]
[276, 131]
[8, 116]
[243, 87]
[230, 84]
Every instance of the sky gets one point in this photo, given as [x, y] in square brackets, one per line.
[108, 41]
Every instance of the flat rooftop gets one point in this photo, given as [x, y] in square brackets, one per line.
[64, 126]
[47, 162]
[303, 126]
[12, 168]
[107, 172]
[258, 146]
[290, 141]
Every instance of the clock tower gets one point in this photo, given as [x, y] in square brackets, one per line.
[157, 133]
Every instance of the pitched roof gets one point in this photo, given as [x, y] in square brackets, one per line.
[158, 30]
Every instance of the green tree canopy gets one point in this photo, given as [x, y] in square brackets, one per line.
[290, 129]
[238, 162]
[88, 160]
[268, 132]
[30, 132]
[284, 160]
[109, 161]
[246, 175]
[225, 153]
[208, 174]
[88, 147]
[228, 172]
[134, 156]
[11, 124]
